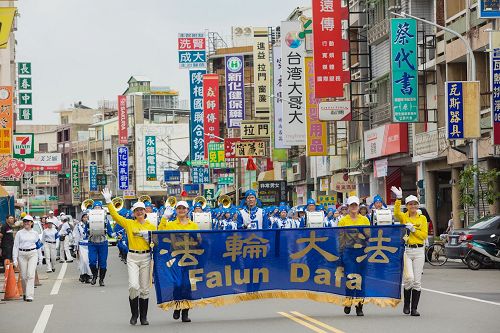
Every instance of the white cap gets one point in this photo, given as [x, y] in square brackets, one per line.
[51, 212]
[411, 198]
[182, 203]
[28, 217]
[138, 204]
[62, 214]
[353, 199]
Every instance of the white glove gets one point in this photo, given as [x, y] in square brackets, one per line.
[169, 211]
[397, 191]
[106, 193]
[410, 227]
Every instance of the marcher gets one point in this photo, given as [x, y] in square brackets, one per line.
[182, 222]
[49, 239]
[414, 257]
[138, 258]
[251, 216]
[26, 255]
[81, 238]
[283, 221]
[7, 237]
[64, 238]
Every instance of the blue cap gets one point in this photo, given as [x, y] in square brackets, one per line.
[378, 198]
[311, 202]
[332, 210]
[196, 205]
[300, 208]
[249, 193]
[147, 203]
[283, 208]
[321, 207]
[97, 203]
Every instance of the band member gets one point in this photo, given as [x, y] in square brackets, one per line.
[353, 219]
[302, 216]
[138, 259]
[98, 248]
[227, 221]
[64, 240]
[414, 257]
[283, 221]
[251, 216]
[49, 239]
[81, 237]
[26, 255]
[330, 220]
[380, 213]
[182, 222]
[53, 219]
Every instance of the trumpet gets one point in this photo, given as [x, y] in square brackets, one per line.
[225, 201]
[144, 198]
[87, 204]
[202, 200]
[118, 203]
[171, 201]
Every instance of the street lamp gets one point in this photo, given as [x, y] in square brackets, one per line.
[471, 75]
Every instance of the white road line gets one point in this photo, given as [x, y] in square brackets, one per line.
[60, 277]
[460, 296]
[43, 319]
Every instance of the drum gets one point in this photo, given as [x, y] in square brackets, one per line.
[204, 220]
[97, 218]
[315, 219]
[382, 217]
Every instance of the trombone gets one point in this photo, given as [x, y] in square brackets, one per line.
[171, 202]
[225, 201]
[118, 203]
[144, 198]
[87, 204]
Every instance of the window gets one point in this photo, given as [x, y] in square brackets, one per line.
[43, 147]
[64, 120]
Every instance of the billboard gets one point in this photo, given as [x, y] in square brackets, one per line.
[235, 90]
[44, 162]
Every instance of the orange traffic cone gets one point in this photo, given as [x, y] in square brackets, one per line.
[20, 285]
[11, 292]
[37, 282]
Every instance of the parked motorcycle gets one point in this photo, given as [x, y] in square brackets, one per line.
[483, 254]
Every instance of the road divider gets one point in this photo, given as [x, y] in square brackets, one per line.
[60, 277]
[309, 322]
[43, 319]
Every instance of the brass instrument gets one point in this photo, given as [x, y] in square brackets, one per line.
[144, 198]
[87, 204]
[171, 201]
[202, 200]
[118, 203]
[225, 201]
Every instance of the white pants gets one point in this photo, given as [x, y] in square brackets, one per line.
[414, 259]
[139, 269]
[27, 264]
[65, 246]
[50, 255]
[83, 262]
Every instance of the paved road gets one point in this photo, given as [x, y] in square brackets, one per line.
[455, 300]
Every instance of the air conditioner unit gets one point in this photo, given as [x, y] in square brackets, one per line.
[370, 99]
[241, 36]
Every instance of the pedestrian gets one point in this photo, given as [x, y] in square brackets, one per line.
[138, 258]
[7, 237]
[414, 257]
[81, 238]
[26, 255]
[353, 218]
[64, 239]
[450, 228]
[49, 237]
[182, 222]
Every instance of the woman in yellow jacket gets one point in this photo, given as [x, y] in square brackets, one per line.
[415, 250]
[182, 222]
[138, 259]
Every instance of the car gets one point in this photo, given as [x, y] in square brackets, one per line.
[456, 247]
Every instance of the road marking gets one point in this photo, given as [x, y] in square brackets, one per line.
[302, 322]
[60, 277]
[43, 319]
[460, 296]
[317, 322]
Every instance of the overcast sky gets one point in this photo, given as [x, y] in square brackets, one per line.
[87, 50]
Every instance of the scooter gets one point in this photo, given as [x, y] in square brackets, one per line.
[483, 254]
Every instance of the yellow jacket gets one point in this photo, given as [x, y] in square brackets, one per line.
[347, 221]
[132, 227]
[177, 225]
[419, 222]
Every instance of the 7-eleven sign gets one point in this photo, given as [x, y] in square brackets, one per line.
[23, 144]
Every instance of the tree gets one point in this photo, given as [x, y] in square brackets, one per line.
[487, 182]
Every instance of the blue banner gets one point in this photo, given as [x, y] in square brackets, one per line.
[454, 110]
[92, 176]
[122, 156]
[192, 59]
[335, 265]
[235, 90]
[171, 175]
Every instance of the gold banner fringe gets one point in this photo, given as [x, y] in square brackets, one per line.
[297, 294]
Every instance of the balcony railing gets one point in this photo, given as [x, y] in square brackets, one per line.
[428, 145]
[381, 114]
[378, 31]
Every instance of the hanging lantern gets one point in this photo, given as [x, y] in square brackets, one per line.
[184, 193]
[251, 165]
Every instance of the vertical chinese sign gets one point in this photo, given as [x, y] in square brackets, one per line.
[261, 70]
[331, 47]
[122, 120]
[235, 90]
[122, 156]
[210, 109]
[25, 110]
[197, 136]
[192, 50]
[404, 70]
[462, 110]
[495, 95]
[75, 181]
[6, 120]
[92, 176]
[150, 141]
[316, 129]
[278, 102]
[292, 50]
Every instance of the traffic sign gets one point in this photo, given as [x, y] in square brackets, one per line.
[226, 180]
[102, 179]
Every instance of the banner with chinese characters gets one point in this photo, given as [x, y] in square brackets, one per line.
[235, 90]
[404, 73]
[92, 176]
[210, 109]
[122, 120]
[6, 120]
[192, 50]
[250, 149]
[251, 129]
[292, 67]
[271, 193]
[334, 265]
[216, 157]
[24, 88]
[495, 95]
[277, 101]
[23, 145]
[75, 181]
[315, 129]
[261, 72]
[44, 162]
[331, 47]
[123, 180]
[462, 110]
[150, 155]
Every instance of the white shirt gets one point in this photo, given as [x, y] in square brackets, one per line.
[49, 234]
[54, 220]
[25, 240]
[252, 224]
[65, 229]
